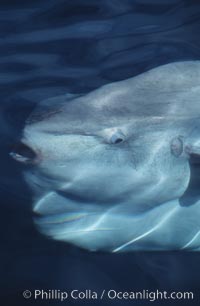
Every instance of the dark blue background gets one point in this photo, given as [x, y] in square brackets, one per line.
[50, 47]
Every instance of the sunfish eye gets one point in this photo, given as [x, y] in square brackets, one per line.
[117, 137]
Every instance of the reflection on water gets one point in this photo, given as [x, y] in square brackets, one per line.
[48, 48]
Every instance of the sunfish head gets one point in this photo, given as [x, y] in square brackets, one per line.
[101, 164]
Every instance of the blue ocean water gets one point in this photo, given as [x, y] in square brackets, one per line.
[51, 47]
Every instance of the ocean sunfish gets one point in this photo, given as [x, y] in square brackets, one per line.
[108, 168]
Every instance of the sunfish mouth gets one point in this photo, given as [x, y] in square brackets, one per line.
[24, 154]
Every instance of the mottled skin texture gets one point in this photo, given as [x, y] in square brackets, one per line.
[111, 165]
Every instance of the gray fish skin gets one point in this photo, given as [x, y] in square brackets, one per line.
[110, 166]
